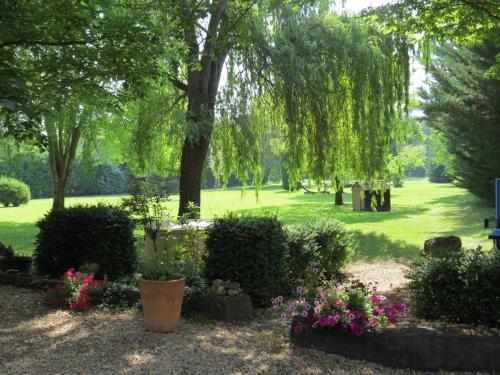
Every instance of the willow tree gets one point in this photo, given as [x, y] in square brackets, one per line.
[332, 88]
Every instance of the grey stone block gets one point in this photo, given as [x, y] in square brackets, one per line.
[227, 308]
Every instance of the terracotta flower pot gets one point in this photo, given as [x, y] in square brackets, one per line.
[161, 304]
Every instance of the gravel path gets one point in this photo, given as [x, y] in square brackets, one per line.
[37, 340]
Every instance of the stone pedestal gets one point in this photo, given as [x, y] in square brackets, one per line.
[227, 308]
[172, 235]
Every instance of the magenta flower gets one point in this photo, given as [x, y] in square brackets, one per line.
[357, 329]
[297, 329]
[324, 321]
[304, 313]
[373, 323]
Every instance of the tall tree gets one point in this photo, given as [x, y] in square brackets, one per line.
[331, 87]
[463, 105]
[60, 58]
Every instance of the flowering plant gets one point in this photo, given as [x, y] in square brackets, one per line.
[351, 306]
[77, 290]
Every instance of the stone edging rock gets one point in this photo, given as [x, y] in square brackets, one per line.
[409, 347]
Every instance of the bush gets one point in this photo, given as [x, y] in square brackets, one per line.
[13, 192]
[250, 250]
[463, 288]
[326, 242]
[72, 237]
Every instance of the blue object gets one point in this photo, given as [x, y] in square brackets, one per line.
[495, 235]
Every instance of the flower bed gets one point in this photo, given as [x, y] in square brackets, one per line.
[405, 347]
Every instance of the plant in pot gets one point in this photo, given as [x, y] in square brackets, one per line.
[162, 286]
[10, 261]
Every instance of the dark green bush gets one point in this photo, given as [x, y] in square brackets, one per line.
[13, 192]
[6, 252]
[463, 288]
[325, 242]
[74, 236]
[250, 250]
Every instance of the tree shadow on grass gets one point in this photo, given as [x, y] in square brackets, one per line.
[380, 246]
[295, 213]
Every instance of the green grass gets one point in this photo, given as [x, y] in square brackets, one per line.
[420, 210]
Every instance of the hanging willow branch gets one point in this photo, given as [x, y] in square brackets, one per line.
[336, 87]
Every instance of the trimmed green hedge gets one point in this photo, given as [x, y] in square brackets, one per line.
[72, 237]
[463, 288]
[250, 250]
[13, 192]
[327, 243]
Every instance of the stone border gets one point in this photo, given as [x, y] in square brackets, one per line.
[409, 347]
[24, 280]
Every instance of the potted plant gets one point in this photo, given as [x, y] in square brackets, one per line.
[162, 284]
[10, 261]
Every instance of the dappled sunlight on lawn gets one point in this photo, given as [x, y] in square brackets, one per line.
[420, 210]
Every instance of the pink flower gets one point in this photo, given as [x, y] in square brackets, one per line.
[340, 303]
[317, 309]
[304, 313]
[297, 329]
[357, 329]
[300, 290]
[373, 323]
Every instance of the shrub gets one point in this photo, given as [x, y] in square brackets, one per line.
[326, 242]
[463, 288]
[250, 250]
[6, 252]
[72, 237]
[13, 192]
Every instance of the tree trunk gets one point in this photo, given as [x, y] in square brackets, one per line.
[339, 199]
[201, 90]
[62, 145]
[59, 194]
[192, 160]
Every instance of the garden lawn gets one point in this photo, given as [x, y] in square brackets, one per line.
[420, 210]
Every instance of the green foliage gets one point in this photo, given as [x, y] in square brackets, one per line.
[464, 287]
[119, 294]
[431, 21]
[250, 250]
[13, 192]
[72, 237]
[461, 105]
[338, 84]
[326, 243]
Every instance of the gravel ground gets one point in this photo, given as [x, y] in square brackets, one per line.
[38, 340]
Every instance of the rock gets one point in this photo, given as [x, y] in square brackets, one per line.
[232, 285]
[217, 283]
[227, 308]
[441, 247]
[233, 292]
[220, 291]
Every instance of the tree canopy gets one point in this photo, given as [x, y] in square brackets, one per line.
[463, 104]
